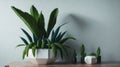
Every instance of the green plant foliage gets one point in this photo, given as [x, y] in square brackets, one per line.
[52, 21]
[20, 45]
[28, 20]
[34, 12]
[82, 51]
[40, 36]
[24, 40]
[28, 36]
[92, 54]
[98, 52]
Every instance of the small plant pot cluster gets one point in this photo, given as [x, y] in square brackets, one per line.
[92, 58]
[83, 54]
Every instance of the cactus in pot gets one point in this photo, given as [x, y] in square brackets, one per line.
[98, 55]
[82, 52]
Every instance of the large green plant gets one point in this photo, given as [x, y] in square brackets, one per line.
[35, 21]
[40, 39]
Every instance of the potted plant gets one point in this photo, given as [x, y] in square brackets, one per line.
[40, 47]
[91, 58]
[82, 52]
[98, 55]
[74, 56]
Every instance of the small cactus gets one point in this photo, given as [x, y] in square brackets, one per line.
[82, 51]
[98, 53]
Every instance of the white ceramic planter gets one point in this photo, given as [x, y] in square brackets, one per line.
[42, 56]
[90, 59]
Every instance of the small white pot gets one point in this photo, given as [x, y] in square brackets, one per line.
[42, 56]
[90, 59]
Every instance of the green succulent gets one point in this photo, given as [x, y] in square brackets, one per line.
[92, 54]
[98, 53]
[82, 51]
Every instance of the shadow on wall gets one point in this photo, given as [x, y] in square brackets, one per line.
[86, 31]
[76, 26]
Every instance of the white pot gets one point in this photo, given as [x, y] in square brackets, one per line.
[42, 56]
[90, 59]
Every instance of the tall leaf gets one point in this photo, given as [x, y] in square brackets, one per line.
[41, 25]
[34, 12]
[28, 36]
[23, 39]
[52, 21]
[28, 20]
[35, 38]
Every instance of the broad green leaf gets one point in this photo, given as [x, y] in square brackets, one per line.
[23, 39]
[20, 45]
[28, 36]
[41, 25]
[28, 20]
[34, 12]
[52, 21]
[65, 39]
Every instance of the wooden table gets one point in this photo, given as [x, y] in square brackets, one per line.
[28, 64]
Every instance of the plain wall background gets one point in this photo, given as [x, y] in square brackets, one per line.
[92, 22]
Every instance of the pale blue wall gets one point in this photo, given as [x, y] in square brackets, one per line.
[101, 19]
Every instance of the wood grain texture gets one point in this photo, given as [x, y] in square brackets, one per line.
[28, 64]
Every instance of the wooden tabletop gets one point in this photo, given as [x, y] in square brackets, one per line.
[28, 64]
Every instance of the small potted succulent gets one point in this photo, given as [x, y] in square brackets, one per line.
[98, 55]
[91, 59]
[82, 53]
[44, 44]
[74, 56]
